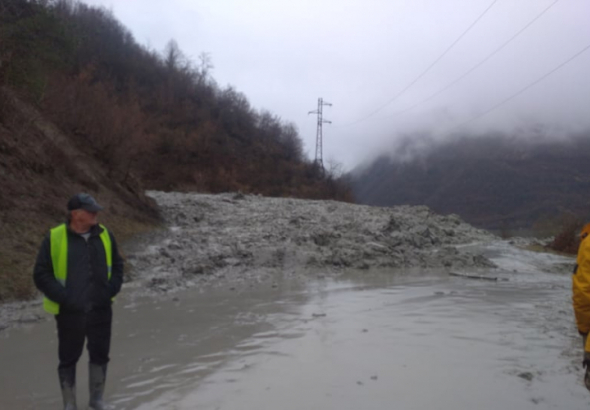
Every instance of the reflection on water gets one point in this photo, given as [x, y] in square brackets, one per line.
[363, 341]
[381, 341]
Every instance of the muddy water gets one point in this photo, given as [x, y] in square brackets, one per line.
[160, 344]
[409, 340]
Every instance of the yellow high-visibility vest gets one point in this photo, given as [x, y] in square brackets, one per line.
[58, 239]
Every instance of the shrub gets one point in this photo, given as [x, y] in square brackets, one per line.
[568, 238]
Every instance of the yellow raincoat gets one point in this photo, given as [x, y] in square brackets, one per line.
[581, 286]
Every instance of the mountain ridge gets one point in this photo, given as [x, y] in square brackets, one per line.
[494, 182]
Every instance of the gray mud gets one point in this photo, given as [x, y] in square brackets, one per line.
[254, 239]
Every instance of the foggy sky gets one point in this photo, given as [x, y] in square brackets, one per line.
[359, 54]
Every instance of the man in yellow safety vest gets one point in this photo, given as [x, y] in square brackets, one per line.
[79, 270]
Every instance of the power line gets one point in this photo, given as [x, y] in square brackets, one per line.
[522, 90]
[476, 66]
[429, 67]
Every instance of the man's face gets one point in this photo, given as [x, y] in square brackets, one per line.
[84, 217]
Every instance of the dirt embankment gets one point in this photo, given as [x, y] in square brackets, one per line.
[40, 168]
[251, 238]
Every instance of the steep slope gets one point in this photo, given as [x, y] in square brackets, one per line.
[495, 182]
[40, 169]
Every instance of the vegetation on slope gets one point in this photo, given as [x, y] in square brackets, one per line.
[159, 117]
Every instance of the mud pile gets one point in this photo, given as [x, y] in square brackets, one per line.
[251, 238]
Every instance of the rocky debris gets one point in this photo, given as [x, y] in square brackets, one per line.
[29, 318]
[530, 242]
[528, 376]
[21, 313]
[210, 237]
[477, 277]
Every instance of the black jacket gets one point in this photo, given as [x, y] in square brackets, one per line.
[87, 284]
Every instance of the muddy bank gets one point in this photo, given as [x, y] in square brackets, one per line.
[240, 241]
[237, 241]
[252, 238]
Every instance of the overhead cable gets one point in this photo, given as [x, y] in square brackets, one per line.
[429, 67]
[522, 90]
[476, 66]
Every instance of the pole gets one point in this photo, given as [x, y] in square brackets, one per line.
[319, 161]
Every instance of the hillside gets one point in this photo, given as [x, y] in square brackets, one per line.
[83, 107]
[40, 169]
[158, 115]
[494, 182]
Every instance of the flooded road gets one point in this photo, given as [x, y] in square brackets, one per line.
[409, 340]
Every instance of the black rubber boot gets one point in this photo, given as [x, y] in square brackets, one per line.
[97, 378]
[586, 365]
[67, 382]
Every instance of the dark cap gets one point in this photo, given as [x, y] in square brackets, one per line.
[83, 201]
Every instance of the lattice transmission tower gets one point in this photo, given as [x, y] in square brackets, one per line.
[319, 161]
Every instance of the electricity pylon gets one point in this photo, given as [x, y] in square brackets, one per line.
[319, 161]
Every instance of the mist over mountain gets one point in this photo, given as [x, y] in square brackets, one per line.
[496, 181]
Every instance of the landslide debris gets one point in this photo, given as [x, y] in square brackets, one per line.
[209, 237]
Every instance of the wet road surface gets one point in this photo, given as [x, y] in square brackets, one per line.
[406, 340]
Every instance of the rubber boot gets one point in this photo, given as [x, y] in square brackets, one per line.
[586, 365]
[67, 382]
[96, 380]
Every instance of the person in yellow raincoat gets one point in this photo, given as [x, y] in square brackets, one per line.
[581, 296]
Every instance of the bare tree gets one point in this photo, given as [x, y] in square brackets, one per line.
[292, 142]
[173, 57]
[205, 66]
